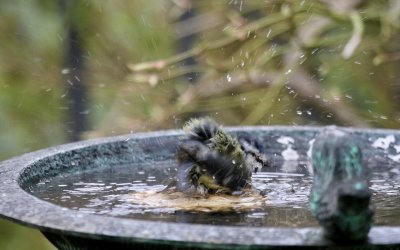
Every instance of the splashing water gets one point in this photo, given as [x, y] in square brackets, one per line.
[108, 191]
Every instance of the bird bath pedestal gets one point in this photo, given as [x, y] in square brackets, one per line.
[71, 228]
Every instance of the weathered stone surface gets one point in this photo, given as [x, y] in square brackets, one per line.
[66, 228]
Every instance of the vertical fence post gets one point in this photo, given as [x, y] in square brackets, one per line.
[74, 72]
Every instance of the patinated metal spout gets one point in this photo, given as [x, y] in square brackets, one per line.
[340, 197]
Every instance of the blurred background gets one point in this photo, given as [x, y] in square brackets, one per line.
[75, 70]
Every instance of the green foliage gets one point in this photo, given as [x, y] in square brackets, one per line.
[21, 238]
[29, 75]
[280, 62]
[32, 89]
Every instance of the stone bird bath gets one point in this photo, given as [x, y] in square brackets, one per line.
[69, 227]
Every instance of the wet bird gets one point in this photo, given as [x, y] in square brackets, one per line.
[340, 197]
[210, 160]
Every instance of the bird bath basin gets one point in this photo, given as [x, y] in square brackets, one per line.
[83, 194]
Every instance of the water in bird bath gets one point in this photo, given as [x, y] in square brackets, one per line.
[108, 191]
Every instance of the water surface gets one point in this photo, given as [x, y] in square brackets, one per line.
[107, 191]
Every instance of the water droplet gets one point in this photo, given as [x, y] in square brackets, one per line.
[314, 51]
[65, 71]
[269, 33]
[299, 112]
[85, 112]
[349, 96]
[228, 78]
[288, 72]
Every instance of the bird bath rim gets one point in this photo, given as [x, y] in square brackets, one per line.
[50, 218]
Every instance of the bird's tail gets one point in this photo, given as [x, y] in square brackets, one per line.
[201, 129]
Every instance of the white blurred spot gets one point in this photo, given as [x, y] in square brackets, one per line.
[228, 78]
[394, 157]
[383, 142]
[290, 154]
[65, 71]
[285, 140]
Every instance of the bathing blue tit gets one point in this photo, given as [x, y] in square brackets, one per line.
[211, 160]
[201, 129]
[254, 151]
[205, 130]
[203, 171]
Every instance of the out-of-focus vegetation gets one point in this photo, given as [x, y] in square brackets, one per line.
[33, 95]
[257, 62]
[283, 62]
